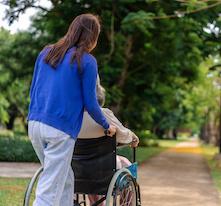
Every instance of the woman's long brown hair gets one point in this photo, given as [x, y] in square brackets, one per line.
[82, 34]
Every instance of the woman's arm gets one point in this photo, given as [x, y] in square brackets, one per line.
[89, 78]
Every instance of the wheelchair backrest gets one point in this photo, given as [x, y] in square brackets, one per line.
[94, 163]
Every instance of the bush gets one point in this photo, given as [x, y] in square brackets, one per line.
[16, 149]
[146, 134]
[147, 139]
[6, 133]
[16, 146]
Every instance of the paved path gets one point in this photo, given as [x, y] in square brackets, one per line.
[177, 177]
[22, 170]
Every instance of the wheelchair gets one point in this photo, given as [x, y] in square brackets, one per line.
[96, 173]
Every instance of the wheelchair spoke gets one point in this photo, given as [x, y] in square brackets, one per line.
[127, 197]
[124, 193]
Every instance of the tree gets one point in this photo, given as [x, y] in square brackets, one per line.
[16, 70]
[149, 52]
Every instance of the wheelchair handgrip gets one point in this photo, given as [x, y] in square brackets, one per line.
[106, 132]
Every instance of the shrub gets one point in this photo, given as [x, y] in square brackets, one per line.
[6, 133]
[16, 149]
[147, 139]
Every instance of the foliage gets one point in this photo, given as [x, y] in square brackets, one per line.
[17, 58]
[3, 109]
[16, 149]
[150, 66]
[202, 97]
[147, 138]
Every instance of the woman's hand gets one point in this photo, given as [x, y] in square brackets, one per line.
[111, 131]
[135, 141]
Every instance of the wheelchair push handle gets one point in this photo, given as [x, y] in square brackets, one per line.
[106, 132]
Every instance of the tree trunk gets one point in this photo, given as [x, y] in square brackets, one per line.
[174, 132]
[159, 132]
[122, 79]
[10, 123]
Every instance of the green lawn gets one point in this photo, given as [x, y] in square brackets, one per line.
[144, 153]
[12, 189]
[167, 143]
[209, 152]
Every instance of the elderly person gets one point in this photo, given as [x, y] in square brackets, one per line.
[90, 129]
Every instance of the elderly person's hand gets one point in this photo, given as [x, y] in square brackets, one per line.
[135, 141]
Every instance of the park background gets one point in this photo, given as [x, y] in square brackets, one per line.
[159, 62]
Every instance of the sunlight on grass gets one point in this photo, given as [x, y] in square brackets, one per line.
[144, 153]
[12, 191]
[168, 143]
[209, 153]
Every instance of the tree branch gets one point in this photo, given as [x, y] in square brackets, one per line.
[14, 12]
[183, 13]
[128, 56]
[111, 36]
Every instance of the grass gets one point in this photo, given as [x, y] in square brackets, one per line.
[12, 189]
[167, 143]
[209, 153]
[144, 153]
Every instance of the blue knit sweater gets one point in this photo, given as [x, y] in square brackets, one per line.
[59, 96]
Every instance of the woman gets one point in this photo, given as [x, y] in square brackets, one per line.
[90, 129]
[63, 86]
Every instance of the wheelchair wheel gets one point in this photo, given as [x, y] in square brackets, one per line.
[122, 190]
[30, 191]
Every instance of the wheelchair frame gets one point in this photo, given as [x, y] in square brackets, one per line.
[115, 182]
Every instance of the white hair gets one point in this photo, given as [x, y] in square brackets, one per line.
[100, 93]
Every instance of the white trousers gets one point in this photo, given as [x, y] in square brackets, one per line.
[54, 149]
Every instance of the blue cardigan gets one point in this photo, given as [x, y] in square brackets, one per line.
[59, 96]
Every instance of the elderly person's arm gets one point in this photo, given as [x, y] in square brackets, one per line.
[123, 134]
